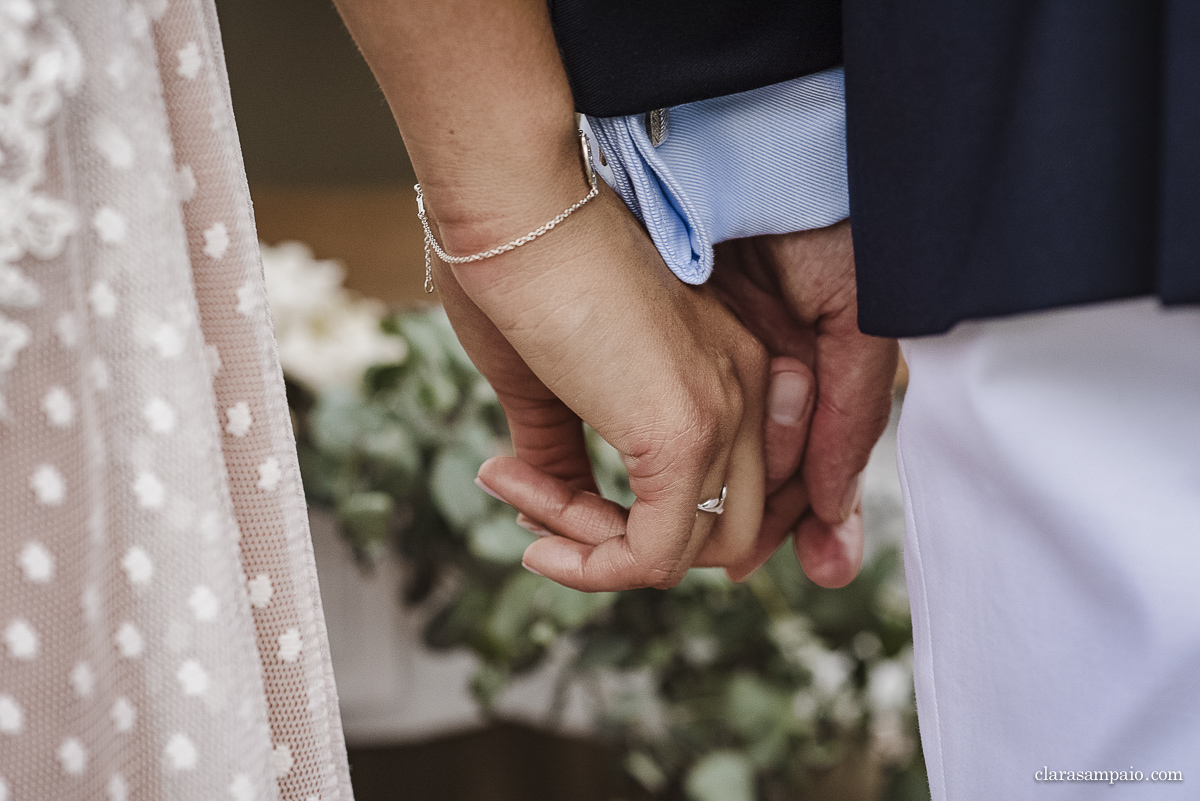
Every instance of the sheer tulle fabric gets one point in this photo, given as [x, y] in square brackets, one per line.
[161, 634]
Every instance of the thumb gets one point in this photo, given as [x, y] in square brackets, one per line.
[855, 373]
[789, 409]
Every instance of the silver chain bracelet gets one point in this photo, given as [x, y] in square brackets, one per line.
[432, 246]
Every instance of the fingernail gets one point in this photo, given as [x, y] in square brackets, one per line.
[479, 483]
[531, 570]
[851, 498]
[527, 524]
[787, 397]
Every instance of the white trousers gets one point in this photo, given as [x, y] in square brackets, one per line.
[1051, 473]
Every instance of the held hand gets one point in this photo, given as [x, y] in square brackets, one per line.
[589, 323]
[796, 293]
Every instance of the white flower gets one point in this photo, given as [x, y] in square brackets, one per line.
[327, 337]
[890, 686]
[829, 669]
[890, 738]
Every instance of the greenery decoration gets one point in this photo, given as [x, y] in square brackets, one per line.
[768, 690]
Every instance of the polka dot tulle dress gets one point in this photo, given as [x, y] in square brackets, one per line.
[161, 634]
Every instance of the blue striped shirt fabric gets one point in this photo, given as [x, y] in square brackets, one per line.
[767, 161]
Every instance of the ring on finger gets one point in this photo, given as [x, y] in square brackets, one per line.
[716, 505]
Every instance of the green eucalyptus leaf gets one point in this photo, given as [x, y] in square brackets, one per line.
[475, 436]
[393, 444]
[642, 767]
[604, 650]
[440, 324]
[705, 578]
[752, 706]
[438, 393]
[725, 775]
[454, 625]
[515, 605]
[336, 420]
[724, 665]
[423, 340]
[770, 749]
[572, 608]
[499, 540]
[487, 683]
[452, 485]
[366, 515]
[383, 377]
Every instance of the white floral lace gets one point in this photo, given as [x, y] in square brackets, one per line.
[161, 635]
[39, 64]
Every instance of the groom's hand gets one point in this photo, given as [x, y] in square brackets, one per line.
[830, 392]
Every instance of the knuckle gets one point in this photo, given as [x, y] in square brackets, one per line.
[558, 505]
[836, 407]
[704, 436]
[662, 577]
[752, 354]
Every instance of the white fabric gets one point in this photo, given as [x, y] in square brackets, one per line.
[161, 635]
[1051, 470]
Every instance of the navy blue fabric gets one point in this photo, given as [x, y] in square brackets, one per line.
[1013, 155]
[631, 56]
[1007, 157]
[1179, 259]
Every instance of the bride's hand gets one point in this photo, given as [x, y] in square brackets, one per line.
[585, 321]
[588, 323]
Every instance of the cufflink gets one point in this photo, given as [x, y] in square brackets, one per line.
[656, 126]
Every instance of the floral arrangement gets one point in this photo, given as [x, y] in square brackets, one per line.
[712, 691]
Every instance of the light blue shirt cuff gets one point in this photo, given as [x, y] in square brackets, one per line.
[767, 161]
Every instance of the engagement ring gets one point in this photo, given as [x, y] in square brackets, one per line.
[714, 505]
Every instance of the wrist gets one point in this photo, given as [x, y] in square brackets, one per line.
[481, 201]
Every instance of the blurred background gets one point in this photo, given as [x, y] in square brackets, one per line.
[463, 677]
